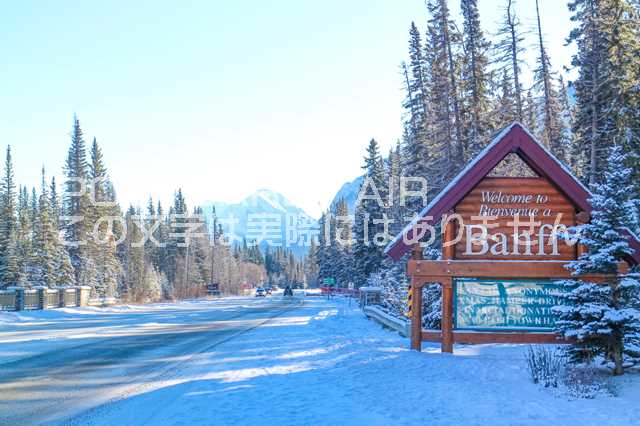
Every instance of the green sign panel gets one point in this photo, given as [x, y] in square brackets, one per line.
[500, 304]
[329, 281]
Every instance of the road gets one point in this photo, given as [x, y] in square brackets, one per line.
[91, 361]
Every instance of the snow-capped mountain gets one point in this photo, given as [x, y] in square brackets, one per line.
[266, 216]
[349, 191]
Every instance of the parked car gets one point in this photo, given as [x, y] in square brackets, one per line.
[260, 292]
[268, 290]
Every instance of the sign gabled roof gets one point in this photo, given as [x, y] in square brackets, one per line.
[512, 139]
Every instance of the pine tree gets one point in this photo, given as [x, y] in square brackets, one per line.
[54, 202]
[9, 263]
[415, 150]
[101, 246]
[311, 264]
[568, 139]
[323, 256]
[46, 237]
[602, 318]
[416, 101]
[509, 50]
[474, 82]
[624, 105]
[445, 30]
[444, 150]
[343, 244]
[529, 113]
[504, 111]
[394, 173]
[369, 232]
[606, 89]
[553, 131]
[25, 236]
[76, 208]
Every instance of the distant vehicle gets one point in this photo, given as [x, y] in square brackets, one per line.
[213, 289]
[260, 292]
[268, 290]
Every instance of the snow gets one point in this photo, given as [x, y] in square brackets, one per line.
[324, 363]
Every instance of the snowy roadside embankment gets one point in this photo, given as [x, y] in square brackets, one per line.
[326, 364]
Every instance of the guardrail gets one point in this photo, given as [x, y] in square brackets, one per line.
[381, 317]
[21, 298]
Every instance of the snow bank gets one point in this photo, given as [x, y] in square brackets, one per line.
[326, 364]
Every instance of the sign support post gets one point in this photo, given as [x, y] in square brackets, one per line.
[416, 306]
[447, 316]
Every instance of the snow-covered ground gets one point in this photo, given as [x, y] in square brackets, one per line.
[324, 363]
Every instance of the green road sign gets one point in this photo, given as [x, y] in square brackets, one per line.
[329, 281]
[504, 304]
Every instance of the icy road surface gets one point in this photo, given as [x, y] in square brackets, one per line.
[56, 364]
[264, 362]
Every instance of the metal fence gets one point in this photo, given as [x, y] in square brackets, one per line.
[7, 300]
[52, 298]
[20, 298]
[31, 299]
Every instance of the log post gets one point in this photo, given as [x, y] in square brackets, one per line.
[416, 305]
[416, 317]
[447, 315]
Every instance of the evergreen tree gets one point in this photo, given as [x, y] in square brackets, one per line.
[46, 239]
[9, 263]
[311, 264]
[568, 140]
[343, 244]
[443, 30]
[602, 318]
[368, 229]
[25, 235]
[474, 82]
[415, 149]
[509, 51]
[553, 131]
[101, 246]
[606, 89]
[76, 208]
[505, 105]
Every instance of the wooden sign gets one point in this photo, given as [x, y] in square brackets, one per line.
[503, 246]
[513, 218]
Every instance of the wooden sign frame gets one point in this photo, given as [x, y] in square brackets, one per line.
[513, 139]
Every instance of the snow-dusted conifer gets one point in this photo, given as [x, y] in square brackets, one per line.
[602, 318]
[9, 263]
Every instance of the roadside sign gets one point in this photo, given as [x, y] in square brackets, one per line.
[329, 281]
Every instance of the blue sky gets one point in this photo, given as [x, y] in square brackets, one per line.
[217, 97]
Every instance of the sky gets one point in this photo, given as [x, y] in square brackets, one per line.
[219, 98]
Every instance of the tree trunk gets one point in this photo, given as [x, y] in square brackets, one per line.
[616, 350]
[460, 148]
[514, 61]
[548, 117]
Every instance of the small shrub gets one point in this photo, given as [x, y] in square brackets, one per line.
[587, 381]
[546, 365]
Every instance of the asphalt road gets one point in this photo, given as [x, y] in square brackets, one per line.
[58, 384]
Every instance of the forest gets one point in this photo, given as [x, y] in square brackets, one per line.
[78, 234]
[462, 86]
